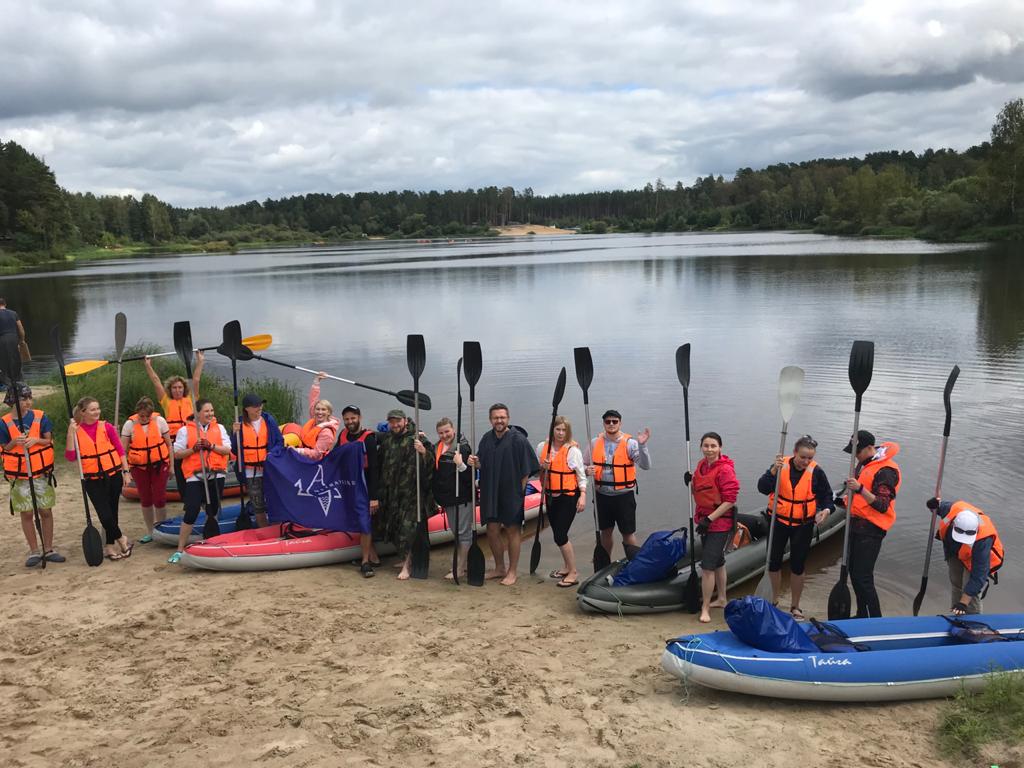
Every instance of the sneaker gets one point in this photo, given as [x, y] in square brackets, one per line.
[367, 570]
[145, 539]
[175, 558]
[33, 560]
[54, 557]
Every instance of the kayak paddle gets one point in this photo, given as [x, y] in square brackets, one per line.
[472, 366]
[12, 386]
[862, 364]
[938, 485]
[691, 592]
[77, 368]
[120, 335]
[791, 382]
[585, 375]
[234, 349]
[92, 543]
[183, 346]
[405, 396]
[555, 400]
[458, 448]
[416, 357]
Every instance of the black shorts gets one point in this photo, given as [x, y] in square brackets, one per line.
[712, 553]
[799, 538]
[617, 511]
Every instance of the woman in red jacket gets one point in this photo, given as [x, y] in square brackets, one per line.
[715, 488]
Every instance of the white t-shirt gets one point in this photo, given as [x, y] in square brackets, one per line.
[181, 444]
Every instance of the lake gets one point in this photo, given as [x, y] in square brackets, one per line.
[749, 304]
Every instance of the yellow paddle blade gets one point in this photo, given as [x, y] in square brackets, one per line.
[84, 366]
[259, 342]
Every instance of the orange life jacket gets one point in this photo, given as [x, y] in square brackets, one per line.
[254, 444]
[178, 413]
[40, 456]
[986, 529]
[309, 433]
[148, 446]
[560, 478]
[344, 438]
[623, 468]
[859, 507]
[215, 462]
[99, 458]
[798, 505]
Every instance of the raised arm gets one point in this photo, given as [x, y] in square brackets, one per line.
[157, 384]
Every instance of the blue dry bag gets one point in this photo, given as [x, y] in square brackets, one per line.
[655, 560]
[761, 625]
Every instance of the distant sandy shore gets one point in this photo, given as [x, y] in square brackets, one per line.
[517, 230]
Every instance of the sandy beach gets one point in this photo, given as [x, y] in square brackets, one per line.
[140, 663]
[518, 230]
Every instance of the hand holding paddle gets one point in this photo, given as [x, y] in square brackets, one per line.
[555, 400]
[862, 364]
[791, 382]
[472, 365]
[183, 346]
[691, 592]
[13, 389]
[458, 448]
[938, 485]
[585, 376]
[416, 357]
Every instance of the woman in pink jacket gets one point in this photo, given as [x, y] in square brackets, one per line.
[715, 488]
[320, 434]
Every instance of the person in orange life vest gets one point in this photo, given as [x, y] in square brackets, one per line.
[353, 433]
[873, 489]
[149, 455]
[972, 548]
[618, 455]
[260, 435]
[33, 431]
[104, 467]
[450, 459]
[715, 489]
[202, 442]
[805, 499]
[173, 397]
[565, 481]
[320, 433]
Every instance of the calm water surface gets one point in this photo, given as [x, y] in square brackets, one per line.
[748, 303]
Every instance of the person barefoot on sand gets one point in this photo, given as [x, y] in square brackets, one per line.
[506, 460]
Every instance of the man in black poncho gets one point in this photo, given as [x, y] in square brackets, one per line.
[506, 460]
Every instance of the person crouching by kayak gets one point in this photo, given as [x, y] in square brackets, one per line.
[450, 459]
[565, 482]
[874, 486]
[715, 489]
[400, 449]
[34, 432]
[805, 499]
[260, 435]
[202, 442]
[148, 438]
[320, 434]
[354, 433]
[618, 454]
[104, 469]
[973, 551]
[174, 400]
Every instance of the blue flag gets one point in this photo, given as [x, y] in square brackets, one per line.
[330, 493]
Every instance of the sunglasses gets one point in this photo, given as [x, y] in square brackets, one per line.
[611, 421]
[965, 532]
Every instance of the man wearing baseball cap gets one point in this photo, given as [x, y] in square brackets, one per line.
[353, 432]
[872, 491]
[973, 550]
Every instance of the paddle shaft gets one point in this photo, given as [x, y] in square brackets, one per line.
[338, 378]
[775, 498]
[78, 453]
[241, 432]
[458, 449]
[689, 471]
[844, 570]
[593, 496]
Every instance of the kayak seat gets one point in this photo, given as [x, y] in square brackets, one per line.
[288, 531]
[971, 632]
[831, 639]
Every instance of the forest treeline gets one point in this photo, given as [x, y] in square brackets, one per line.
[939, 194]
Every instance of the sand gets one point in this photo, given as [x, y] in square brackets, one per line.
[518, 230]
[140, 663]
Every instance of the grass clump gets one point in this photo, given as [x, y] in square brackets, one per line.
[994, 714]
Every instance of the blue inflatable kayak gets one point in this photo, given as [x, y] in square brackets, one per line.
[906, 657]
[167, 531]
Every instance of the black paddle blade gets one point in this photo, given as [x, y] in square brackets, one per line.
[211, 528]
[920, 595]
[945, 399]
[475, 566]
[584, 368]
[862, 363]
[472, 362]
[839, 599]
[556, 398]
[92, 545]
[244, 522]
[58, 355]
[232, 340]
[408, 397]
[415, 354]
[183, 345]
[120, 333]
[420, 552]
[535, 550]
[691, 592]
[601, 557]
[683, 365]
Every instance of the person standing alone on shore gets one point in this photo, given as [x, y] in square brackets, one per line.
[12, 334]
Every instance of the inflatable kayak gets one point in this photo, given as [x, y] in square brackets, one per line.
[905, 657]
[286, 545]
[597, 594]
[231, 488]
[167, 531]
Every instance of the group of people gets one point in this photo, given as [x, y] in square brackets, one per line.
[197, 449]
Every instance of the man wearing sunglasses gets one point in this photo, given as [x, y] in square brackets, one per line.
[973, 550]
[618, 455]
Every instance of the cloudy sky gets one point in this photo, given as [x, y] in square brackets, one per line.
[230, 100]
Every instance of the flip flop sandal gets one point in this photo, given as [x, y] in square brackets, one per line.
[367, 570]
[566, 584]
[557, 574]
[128, 552]
[114, 556]
[797, 614]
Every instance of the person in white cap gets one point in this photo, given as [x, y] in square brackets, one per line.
[973, 550]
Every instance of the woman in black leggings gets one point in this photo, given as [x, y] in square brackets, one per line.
[563, 474]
